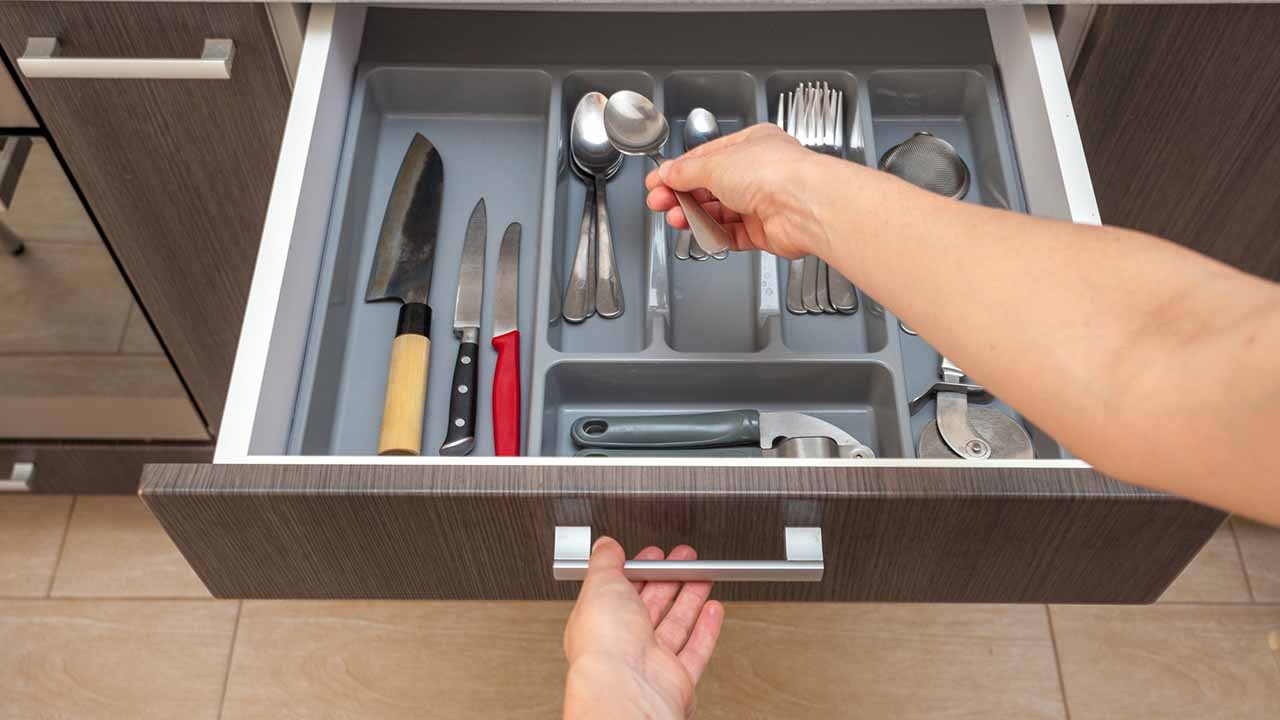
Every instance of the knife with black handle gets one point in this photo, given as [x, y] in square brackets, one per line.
[460, 437]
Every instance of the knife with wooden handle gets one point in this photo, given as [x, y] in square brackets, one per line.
[506, 340]
[401, 271]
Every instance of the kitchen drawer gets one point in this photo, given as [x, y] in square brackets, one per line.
[88, 468]
[296, 505]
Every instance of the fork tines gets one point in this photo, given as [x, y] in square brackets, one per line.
[813, 113]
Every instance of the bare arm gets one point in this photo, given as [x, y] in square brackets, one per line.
[1157, 365]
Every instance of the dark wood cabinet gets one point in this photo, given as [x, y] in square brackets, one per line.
[95, 468]
[1179, 112]
[176, 172]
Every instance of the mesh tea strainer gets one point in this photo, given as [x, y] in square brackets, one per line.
[928, 162]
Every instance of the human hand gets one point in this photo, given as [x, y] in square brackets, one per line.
[637, 649]
[760, 183]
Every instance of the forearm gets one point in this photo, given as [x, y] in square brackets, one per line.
[1155, 364]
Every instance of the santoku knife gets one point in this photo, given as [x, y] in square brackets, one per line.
[461, 435]
[402, 271]
[506, 340]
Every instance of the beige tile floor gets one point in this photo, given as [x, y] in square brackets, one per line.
[101, 618]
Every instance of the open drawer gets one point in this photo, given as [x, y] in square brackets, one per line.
[297, 505]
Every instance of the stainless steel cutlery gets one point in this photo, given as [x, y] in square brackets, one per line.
[813, 113]
[594, 284]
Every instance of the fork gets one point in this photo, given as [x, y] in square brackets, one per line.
[813, 113]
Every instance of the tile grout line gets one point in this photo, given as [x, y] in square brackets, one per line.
[1244, 567]
[231, 655]
[62, 545]
[1057, 663]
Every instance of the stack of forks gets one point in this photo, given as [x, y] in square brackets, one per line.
[813, 113]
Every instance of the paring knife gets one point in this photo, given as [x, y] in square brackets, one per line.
[506, 340]
[461, 435]
[401, 271]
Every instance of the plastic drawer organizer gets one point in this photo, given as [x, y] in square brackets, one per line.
[695, 336]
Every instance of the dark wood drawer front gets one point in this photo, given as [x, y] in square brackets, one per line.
[889, 534]
[177, 172]
[96, 468]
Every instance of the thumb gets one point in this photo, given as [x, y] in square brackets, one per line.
[606, 561]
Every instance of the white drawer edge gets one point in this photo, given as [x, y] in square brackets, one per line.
[648, 462]
[1055, 174]
[298, 214]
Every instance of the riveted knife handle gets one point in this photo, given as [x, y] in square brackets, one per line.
[461, 436]
[506, 395]
[407, 383]
[695, 430]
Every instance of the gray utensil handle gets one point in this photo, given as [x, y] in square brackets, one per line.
[718, 452]
[698, 430]
[804, 561]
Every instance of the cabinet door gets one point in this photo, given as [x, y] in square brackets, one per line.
[177, 172]
[1193, 157]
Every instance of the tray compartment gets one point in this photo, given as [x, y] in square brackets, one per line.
[959, 105]
[715, 304]
[920, 364]
[858, 396]
[828, 334]
[629, 220]
[490, 127]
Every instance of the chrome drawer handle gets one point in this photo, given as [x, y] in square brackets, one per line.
[41, 60]
[20, 480]
[803, 563]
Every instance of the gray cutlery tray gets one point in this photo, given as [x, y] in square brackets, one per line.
[695, 336]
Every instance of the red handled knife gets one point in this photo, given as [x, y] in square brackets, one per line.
[506, 340]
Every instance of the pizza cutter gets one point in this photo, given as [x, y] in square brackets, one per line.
[773, 434]
[967, 431]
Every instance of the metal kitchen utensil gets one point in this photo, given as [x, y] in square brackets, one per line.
[594, 285]
[972, 433]
[843, 295]
[798, 448]
[715, 429]
[460, 437]
[824, 287]
[700, 127]
[635, 127]
[795, 286]
[590, 148]
[401, 271]
[810, 285]
[928, 162]
[813, 113]
[506, 341]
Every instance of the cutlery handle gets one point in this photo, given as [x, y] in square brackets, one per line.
[580, 292]
[407, 383]
[695, 430]
[506, 395]
[707, 233]
[461, 436]
[609, 303]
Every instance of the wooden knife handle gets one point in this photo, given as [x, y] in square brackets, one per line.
[506, 395]
[407, 383]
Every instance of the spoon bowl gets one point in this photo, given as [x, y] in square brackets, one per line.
[588, 142]
[634, 125]
[700, 127]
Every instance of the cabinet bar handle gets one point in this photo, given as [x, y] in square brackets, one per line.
[20, 480]
[803, 563]
[41, 60]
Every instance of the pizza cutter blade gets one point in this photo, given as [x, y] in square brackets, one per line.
[1007, 439]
